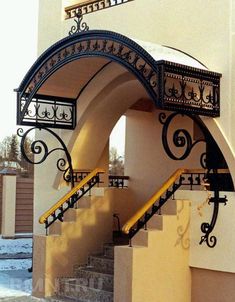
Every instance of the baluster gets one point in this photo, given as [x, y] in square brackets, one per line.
[154, 209]
[46, 226]
[146, 219]
[122, 182]
[61, 214]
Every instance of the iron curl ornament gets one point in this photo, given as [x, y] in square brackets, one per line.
[80, 26]
[206, 227]
[181, 139]
[40, 147]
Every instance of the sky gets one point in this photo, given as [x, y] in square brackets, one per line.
[18, 51]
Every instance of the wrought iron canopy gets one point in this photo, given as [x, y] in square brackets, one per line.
[171, 86]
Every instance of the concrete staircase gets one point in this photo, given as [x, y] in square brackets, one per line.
[94, 282]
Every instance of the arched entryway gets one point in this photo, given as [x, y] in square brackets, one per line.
[82, 85]
[85, 82]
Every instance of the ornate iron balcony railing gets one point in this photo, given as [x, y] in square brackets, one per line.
[46, 111]
[116, 181]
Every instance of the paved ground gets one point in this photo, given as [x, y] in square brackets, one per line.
[21, 299]
[15, 283]
[15, 280]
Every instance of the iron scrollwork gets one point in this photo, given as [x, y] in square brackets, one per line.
[39, 147]
[188, 89]
[51, 112]
[181, 139]
[80, 25]
[109, 45]
[206, 227]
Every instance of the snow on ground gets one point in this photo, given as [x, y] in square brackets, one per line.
[14, 246]
[15, 280]
[15, 264]
[15, 283]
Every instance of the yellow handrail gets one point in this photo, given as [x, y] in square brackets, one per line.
[166, 185]
[65, 198]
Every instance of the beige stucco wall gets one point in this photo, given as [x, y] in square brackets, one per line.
[221, 257]
[212, 286]
[146, 161]
[8, 205]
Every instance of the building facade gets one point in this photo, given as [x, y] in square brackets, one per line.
[168, 67]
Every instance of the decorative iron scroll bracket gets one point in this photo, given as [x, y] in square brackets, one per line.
[206, 227]
[80, 25]
[39, 147]
[182, 139]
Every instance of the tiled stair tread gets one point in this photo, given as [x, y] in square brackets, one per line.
[93, 270]
[101, 257]
[91, 277]
[104, 284]
[101, 264]
[96, 290]
[108, 251]
[61, 299]
[86, 294]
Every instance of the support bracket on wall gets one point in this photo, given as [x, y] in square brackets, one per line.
[40, 148]
[206, 227]
[182, 140]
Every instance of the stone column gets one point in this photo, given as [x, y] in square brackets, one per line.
[8, 206]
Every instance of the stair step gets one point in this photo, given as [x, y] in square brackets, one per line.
[57, 299]
[101, 263]
[109, 250]
[81, 293]
[170, 207]
[156, 222]
[89, 277]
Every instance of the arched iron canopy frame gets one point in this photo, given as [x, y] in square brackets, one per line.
[94, 43]
[152, 74]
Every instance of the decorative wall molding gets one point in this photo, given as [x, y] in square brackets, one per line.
[88, 7]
